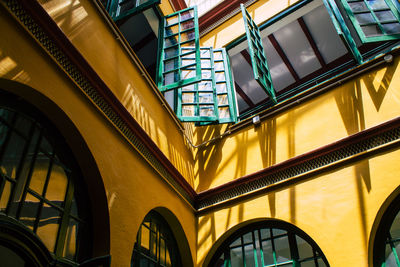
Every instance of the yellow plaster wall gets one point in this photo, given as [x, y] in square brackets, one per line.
[125, 174]
[82, 23]
[337, 209]
[234, 27]
[356, 105]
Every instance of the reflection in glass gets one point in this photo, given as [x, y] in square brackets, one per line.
[188, 111]
[222, 100]
[221, 88]
[207, 111]
[57, 186]
[358, 6]
[385, 16]
[187, 97]
[71, 240]
[172, 20]
[39, 174]
[365, 18]
[224, 112]
[371, 30]
[206, 98]
[377, 4]
[48, 226]
[391, 28]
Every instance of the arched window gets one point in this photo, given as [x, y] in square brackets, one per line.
[40, 182]
[155, 244]
[269, 244]
[387, 241]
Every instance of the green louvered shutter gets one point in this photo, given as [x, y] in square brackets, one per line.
[120, 9]
[179, 50]
[342, 29]
[374, 20]
[197, 101]
[256, 51]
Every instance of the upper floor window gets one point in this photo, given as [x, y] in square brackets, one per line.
[269, 244]
[306, 45]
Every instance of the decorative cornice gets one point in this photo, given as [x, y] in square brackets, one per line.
[346, 148]
[46, 32]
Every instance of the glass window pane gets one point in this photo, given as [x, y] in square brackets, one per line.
[377, 4]
[385, 16]
[188, 73]
[171, 77]
[57, 186]
[188, 97]
[188, 111]
[268, 253]
[162, 251]
[205, 86]
[187, 14]
[224, 113]
[305, 249]
[188, 88]
[171, 64]
[219, 66]
[71, 238]
[145, 238]
[282, 249]
[29, 210]
[391, 28]
[48, 226]
[219, 76]
[170, 41]
[23, 125]
[236, 256]
[371, 30]
[39, 173]
[206, 74]
[221, 88]
[171, 30]
[206, 98]
[12, 155]
[5, 196]
[171, 52]
[364, 18]
[358, 6]
[187, 25]
[207, 111]
[237, 242]
[172, 20]
[250, 256]
[186, 36]
[222, 100]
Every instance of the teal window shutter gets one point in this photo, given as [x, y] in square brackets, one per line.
[256, 51]
[120, 9]
[179, 50]
[226, 98]
[374, 20]
[197, 101]
[212, 100]
[342, 29]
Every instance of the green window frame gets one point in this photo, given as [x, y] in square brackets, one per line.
[212, 99]
[342, 29]
[197, 101]
[374, 20]
[179, 50]
[269, 244]
[226, 98]
[120, 9]
[259, 62]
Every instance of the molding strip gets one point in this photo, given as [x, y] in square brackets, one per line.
[46, 32]
[346, 148]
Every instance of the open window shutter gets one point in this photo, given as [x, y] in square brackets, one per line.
[377, 20]
[256, 51]
[226, 98]
[342, 29]
[179, 50]
[197, 102]
[120, 9]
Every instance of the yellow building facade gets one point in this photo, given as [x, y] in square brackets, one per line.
[98, 170]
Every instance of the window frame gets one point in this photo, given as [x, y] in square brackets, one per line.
[114, 7]
[258, 59]
[357, 26]
[178, 66]
[291, 233]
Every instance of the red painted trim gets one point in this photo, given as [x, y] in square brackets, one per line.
[218, 12]
[319, 152]
[55, 33]
[179, 4]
